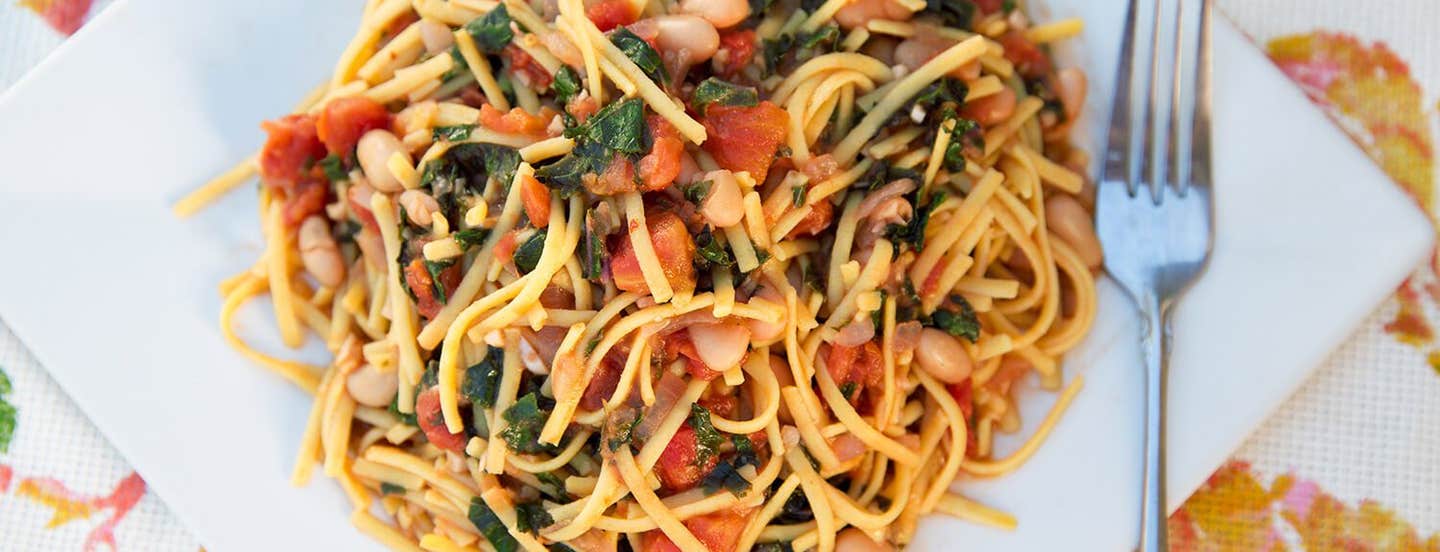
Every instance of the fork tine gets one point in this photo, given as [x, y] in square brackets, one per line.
[1156, 140]
[1122, 155]
[1199, 175]
[1177, 160]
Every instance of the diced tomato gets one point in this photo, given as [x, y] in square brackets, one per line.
[660, 167]
[536, 199]
[821, 167]
[581, 107]
[344, 121]
[530, 71]
[679, 344]
[432, 422]
[721, 405]
[618, 178]
[737, 48]
[862, 365]
[473, 97]
[419, 281]
[516, 121]
[609, 14]
[819, 218]
[604, 382]
[679, 468]
[673, 246]
[291, 146]
[718, 531]
[306, 199]
[964, 394]
[505, 247]
[988, 7]
[745, 138]
[1027, 57]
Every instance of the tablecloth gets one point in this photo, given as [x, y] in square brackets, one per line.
[1351, 462]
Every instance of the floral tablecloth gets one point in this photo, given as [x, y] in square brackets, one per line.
[1351, 462]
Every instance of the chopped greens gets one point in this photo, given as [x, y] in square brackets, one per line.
[797, 195]
[492, 31]
[707, 438]
[525, 419]
[725, 476]
[716, 91]
[490, 526]
[462, 172]
[616, 128]
[744, 452]
[453, 133]
[778, 546]
[470, 237]
[566, 84]
[696, 192]
[641, 53]
[482, 381]
[962, 323]
[435, 268]
[531, 517]
[709, 252]
[528, 254]
[593, 253]
[953, 13]
[913, 232]
[624, 432]
[334, 168]
[387, 488]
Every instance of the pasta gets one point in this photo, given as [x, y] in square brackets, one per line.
[674, 275]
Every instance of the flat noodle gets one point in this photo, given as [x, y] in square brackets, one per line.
[771, 331]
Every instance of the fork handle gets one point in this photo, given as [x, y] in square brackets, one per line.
[1156, 346]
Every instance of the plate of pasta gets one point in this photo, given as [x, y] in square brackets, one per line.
[700, 275]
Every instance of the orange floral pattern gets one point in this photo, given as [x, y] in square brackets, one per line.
[65, 16]
[1235, 510]
[69, 506]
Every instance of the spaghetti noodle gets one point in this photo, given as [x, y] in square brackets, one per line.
[719, 280]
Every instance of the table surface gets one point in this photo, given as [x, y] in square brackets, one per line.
[1351, 462]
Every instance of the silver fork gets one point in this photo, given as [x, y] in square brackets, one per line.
[1153, 203]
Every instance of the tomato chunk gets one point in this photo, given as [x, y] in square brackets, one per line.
[964, 394]
[819, 218]
[745, 138]
[432, 422]
[988, 7]
[679, 468]
[679, 344]
[617, 178]
[417, 277]
[861, 366]
[292, 145]
[737, 48]
[660, 167]
[515, 121]
[718, 531]
[673, 246]
[1027, 57]
[307, 198]
[530, 71]
[603, 384]
[344, 121]
[609, 14]
[536, 199]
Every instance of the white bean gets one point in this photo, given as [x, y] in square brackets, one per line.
[436, 36]
[374, 151]
[319, 253]
[855, 540]
[419, 207]
[763, 332]
[371, 387]
[941, 356]
[720, 13]
[1071, 223]
[721, 345]
[691, 38]
[722, 208]
[859, 12]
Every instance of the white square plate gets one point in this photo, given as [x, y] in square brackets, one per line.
[117, 297]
